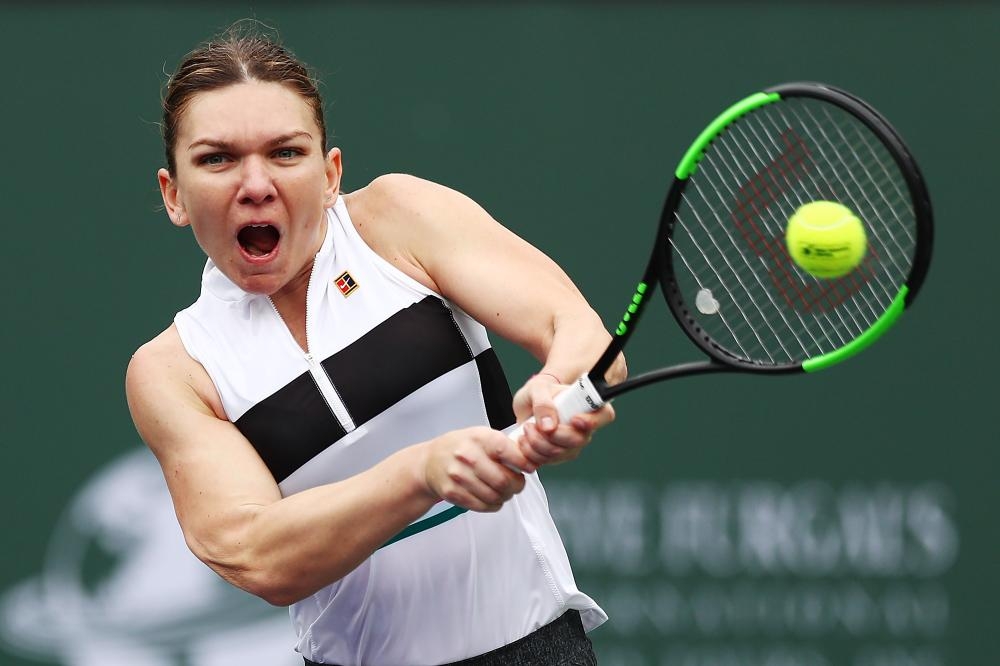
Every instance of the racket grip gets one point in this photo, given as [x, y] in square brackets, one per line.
[578, 398]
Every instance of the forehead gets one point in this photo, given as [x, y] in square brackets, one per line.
[246, 111]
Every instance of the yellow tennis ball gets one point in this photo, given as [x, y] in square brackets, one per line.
[826, 239]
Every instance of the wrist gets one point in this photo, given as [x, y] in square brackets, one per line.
[550, 375]
[416, 460]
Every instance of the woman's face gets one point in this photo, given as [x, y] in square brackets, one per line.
[253, 181]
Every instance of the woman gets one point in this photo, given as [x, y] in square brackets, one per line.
[327, 414]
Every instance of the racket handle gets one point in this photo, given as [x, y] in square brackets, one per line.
[578, 398]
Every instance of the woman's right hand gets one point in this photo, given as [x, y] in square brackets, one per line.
[474, 468]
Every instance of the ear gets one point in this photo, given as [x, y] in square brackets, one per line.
[171, 200]
[334, 171]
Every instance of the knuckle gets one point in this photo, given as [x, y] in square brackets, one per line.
[455, 473]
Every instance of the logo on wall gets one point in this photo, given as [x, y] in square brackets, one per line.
[118, 587]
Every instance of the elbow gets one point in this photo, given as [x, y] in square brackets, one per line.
[268, 584]
[240, 566]
[275, 592]
[276, 587]
[282, 585]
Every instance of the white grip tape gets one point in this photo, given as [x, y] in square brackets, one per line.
[579, 398]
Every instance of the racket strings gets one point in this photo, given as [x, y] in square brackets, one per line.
[902, 255]
[893, 206]
[728, 236]
[810, 173]
[801, 331]
[802, 345]
[877, 159]
[728, 258]
[739, 329]
[837, 159]
[737, 332]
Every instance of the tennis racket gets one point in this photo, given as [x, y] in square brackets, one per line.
[720, 256]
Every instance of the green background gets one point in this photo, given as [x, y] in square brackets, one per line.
[565, 121]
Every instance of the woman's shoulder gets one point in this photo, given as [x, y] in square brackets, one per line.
[163, 365]
[402, 217]
[392, 194]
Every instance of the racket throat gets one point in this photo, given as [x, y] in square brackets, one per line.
[654, 376]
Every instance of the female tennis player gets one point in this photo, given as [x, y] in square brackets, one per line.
[328, 413]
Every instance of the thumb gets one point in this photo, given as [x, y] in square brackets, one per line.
[543, 407]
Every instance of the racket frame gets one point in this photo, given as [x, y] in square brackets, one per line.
[659, 267]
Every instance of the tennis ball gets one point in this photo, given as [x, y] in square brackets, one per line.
[826, 239]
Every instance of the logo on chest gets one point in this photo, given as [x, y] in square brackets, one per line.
[345, 283]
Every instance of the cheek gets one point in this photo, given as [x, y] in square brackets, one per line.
[204, 243]
[203, 200]
[207, 212]
[309, 191]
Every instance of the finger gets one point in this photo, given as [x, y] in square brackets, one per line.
[493, 483]
[505, 481]
[498, 476]
[528, 395]
[473, 503]
[505, 450]
[592, 421]
[543, 407]
[461, 492]
[467, 486]
[522, 404]
[546, 448]
[536, 457]
[479, 494]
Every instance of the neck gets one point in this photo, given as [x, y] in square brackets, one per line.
[290, 302]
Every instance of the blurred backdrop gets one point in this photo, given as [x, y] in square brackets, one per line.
[843, 519]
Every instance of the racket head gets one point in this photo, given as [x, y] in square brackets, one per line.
[721, 257]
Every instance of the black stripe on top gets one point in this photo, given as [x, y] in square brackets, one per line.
[408, 350]
[496, 391]
[287, 427]
[411, 348]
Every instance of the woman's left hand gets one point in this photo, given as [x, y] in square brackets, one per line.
[546, 441]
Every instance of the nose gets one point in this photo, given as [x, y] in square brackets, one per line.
[256, 182]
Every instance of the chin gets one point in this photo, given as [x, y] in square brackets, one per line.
[265, 285]
[259, 282]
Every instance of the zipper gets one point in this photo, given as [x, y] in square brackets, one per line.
[319, 374]
[329, 393]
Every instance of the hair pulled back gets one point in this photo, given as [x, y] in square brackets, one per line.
[240, 54]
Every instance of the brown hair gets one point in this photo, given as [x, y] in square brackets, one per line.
[238, 55]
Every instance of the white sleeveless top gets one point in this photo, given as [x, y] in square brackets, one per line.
[390, 363]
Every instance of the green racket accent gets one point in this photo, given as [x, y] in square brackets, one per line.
[876, 330]
[632, 308]
[693, 155]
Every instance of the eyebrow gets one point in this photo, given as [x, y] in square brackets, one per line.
[226, 145]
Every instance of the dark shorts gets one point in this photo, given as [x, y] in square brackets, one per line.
[561, 642]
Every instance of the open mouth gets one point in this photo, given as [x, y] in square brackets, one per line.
[258, 240]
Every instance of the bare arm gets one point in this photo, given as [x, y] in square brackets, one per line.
[283, 549]
[450, 244]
